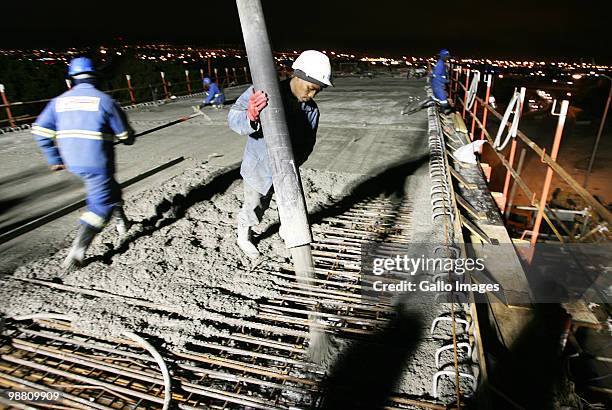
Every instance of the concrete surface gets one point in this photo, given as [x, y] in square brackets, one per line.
[361, 131]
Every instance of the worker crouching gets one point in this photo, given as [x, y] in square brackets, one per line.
[439, 80]
[312, 73]
[214, 95]
[77, 131]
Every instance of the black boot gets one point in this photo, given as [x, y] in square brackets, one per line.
[75, 257]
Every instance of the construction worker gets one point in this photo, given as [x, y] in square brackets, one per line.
[214, 96]
[439, 80]
[77, 130]
[311, 73]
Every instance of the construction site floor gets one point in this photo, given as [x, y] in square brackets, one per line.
[234, 332]
[361, 132]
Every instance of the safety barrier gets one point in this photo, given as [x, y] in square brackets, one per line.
[595, 225]
[170, 91]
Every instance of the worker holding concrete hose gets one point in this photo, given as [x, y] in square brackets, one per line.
[439, 80]
[311, 73]
[77, 130]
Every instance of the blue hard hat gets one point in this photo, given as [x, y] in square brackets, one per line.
[444, 53]
[80, 65]
[206, 80]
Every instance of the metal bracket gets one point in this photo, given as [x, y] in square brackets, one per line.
[562, 110]
[447, 347]
[446, 318]
[437, 375]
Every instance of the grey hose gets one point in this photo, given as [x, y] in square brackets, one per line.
[473, 90]
[513, 107]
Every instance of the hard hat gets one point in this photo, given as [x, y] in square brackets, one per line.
[444, 53]
[206, 80]
[313, 66]
[80, 65]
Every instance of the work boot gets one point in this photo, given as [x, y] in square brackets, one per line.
[244, 242]
[446, 109]
[121, 222]
[281, 233]
[76, 255]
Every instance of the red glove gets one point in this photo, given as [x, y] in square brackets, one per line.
[257, 102]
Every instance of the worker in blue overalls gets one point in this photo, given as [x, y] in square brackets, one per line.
[77, 131]
[439, 80]
[214, 96]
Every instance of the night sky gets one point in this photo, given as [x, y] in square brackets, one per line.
[517, 28]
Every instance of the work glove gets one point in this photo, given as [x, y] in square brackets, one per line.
[130, 139]
[257, 102]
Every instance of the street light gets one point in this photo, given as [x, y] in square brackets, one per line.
[601, 127]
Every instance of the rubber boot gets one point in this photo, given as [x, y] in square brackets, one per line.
[281, 233]
[76, 255]
[122, 224]
[244, 242]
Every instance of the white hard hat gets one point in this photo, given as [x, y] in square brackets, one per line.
[313, 66]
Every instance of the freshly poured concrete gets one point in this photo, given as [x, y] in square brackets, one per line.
[182, 258]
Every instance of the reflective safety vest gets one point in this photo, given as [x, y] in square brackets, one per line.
[78, 129]
[439, 76]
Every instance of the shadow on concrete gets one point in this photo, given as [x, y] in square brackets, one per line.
[169, 211]
[530, 374]
[32, 197]
[366, 374]
[390, 182]
[25, 174]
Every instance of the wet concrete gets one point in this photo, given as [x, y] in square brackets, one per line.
[178, 274]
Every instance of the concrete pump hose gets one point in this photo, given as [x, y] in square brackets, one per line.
[160, 362]
[512, 107]
[473, 90]
[133, 336]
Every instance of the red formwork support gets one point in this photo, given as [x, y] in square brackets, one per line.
[512, 155]
[465, 95]
[165, 85]
[549, 171]
[474, 114]
[7, 106]
[488, 79]
[456, 84]
[130, 89]
[188, 82]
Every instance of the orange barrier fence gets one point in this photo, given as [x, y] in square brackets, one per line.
[598, 218]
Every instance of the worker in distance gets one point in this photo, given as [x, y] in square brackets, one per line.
[439, 81]
[77, 130]
[311, 73]
[214, 96]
